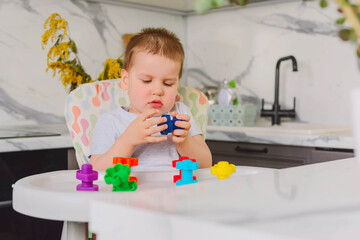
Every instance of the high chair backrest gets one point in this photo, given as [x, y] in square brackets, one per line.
[87, 102]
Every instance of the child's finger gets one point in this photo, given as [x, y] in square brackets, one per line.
[184, 117]
[183, 124]
[156, 139]
[148, 114]
[176, 139]
[155, 121]
[174, 113]
[180, 133]
[157, 129]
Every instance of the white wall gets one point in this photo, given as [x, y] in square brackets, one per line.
[28, 95]
[245, 45]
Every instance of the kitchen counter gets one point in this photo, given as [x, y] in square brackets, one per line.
[63, 140]
[342, 140]
[318, 201]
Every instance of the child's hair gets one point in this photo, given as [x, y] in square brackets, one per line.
[155, 41]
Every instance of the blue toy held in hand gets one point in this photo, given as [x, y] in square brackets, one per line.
[170, 123]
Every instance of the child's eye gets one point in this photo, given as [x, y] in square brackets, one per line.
[168, 84]
[146, 80]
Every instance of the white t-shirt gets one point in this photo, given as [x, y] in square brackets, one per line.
[152, 156]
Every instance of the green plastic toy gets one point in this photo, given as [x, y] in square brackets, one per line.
[118, 176]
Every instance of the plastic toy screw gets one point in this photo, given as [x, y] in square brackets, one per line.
[119, 177]
[187, 167]
[87, 176]
[178, 177]
[170, 123]
[127, 161]
[223, 169]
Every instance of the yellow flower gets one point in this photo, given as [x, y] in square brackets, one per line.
[111, 70]
[61, 50]
[63, 58]
[114, 69]
[53, 24]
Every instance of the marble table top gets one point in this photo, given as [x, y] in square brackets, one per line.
[53, 195]
[319, 201]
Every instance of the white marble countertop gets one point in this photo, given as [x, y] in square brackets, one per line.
[319, 201]
[37, 143]
[297, 137]
[342, 140]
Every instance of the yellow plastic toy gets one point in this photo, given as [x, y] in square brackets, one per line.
[223, 169]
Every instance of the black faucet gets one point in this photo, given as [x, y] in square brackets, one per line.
[275, 113]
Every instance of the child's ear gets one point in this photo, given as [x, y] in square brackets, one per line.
[124, 79]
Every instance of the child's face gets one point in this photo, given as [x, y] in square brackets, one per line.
[152, 83]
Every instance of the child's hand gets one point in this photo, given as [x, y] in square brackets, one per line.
[140, 131]
[179, 135]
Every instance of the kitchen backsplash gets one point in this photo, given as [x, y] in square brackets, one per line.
[29, 95]
[245, 45]
[241, 44]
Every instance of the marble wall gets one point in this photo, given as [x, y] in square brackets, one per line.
[241, 44]
[29, 95]
[245, 45]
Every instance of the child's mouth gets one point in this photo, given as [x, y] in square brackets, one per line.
[156, 104]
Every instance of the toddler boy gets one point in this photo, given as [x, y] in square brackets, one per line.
[152, 70]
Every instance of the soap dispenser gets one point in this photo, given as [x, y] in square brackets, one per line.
[228, 93]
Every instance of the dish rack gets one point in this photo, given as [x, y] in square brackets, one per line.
[239, 115]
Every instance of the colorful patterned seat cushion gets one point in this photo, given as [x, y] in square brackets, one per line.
[87, 102]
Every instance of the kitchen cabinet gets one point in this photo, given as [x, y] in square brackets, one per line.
[71, 160]
[272, 156]
[328, 154]
[183, 7]
[17, 165]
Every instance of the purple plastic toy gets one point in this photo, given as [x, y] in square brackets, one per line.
[87, 176]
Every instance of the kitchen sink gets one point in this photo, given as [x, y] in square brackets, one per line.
[287, 128]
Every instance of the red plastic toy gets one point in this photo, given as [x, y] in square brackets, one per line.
[127, 161]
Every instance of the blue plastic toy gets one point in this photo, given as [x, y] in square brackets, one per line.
[187, 167]
[170, 123]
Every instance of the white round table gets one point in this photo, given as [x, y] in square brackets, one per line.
[53, 195]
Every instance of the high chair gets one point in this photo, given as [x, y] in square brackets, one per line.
[87, 102]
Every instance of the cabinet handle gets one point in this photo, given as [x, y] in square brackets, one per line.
[5, 204]
[250, 150]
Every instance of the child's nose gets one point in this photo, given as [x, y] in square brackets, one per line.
[157, 91]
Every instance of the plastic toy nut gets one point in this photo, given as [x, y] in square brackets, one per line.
[119, 177]
[170, 123]
[175, 120]
[129, 161]
[87, 176]
[223, 169]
